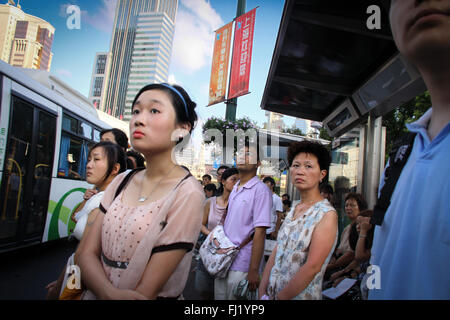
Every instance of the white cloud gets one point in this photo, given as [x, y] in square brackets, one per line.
[64, 73]
[193, 43]
[102, 20]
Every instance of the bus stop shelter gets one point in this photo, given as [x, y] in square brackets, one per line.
[330, 66]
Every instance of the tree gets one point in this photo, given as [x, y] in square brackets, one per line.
[409, 112]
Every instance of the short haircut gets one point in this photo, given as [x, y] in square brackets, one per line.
[286, 195]
[222, 167]
[114, 154]
[207, 176]
[120, 137]
[287, 203]
[210, 187]
[270, 179]
[229, 172]
[362, 203]
[314, 148]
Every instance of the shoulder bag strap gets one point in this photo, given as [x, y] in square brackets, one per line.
[397, 159]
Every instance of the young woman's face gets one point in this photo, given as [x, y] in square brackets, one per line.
[153, 122]
[96, 167]
[305, 171]
[230, 182]
[352, 209]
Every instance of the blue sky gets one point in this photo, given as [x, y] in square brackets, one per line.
[74, 50]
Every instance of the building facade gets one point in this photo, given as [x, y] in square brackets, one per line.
[25, 40]
[99, 72]
[140, 51]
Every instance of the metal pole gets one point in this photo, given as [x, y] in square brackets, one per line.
[231, 104]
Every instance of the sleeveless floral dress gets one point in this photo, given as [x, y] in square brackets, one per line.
[293, 244]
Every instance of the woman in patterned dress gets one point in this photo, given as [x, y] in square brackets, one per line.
[308, 235]
[140, 245]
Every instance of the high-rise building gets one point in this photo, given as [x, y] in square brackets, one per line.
[99, 72]
[150, 60]
[141, 45]
[274, 121]
[25, 40]
[303, 124]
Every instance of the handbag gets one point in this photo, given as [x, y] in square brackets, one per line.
[218, 251]
[241, 291]
[69, 289]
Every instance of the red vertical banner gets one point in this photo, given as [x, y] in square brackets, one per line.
[219, 69]
[242, 54]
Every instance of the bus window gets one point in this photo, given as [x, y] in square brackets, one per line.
[96, 135]
[70, 124]
[86, 130]
[73, 158]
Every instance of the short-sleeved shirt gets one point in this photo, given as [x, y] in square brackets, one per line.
[248, 208]
[124, 228]
[412, 246]
[277, 205]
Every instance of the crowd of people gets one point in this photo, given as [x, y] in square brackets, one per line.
[142, 225]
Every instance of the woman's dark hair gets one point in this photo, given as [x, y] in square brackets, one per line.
[270, 179]
[140, 160]
[229, 172]
[314, 148]
[120, 137]
[210, 187]
[184, 106]
[353, 236]
[114, 154]
[362, 203]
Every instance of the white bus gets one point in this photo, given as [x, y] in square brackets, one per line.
[46, 129]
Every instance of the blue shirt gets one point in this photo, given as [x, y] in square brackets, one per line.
[412, 247]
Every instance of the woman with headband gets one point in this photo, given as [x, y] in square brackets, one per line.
[140, 247]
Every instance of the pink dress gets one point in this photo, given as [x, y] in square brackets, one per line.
[130, 235]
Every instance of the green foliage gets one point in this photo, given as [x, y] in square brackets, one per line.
[409, 112]
[295, 131]
[222, 125]
[323, 134]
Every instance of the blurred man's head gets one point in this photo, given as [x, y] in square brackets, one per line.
[421, 30]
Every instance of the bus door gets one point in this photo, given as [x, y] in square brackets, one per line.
[25, 184]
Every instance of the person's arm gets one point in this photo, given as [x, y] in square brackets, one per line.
[361, 253]
[204, 229]
[259, 239]
[78, 209]
[262, 290]
[278, 225]
[87, 257]
[344, 260]
[158, 271]
[321, 244]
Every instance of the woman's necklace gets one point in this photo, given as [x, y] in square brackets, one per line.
[143, 198]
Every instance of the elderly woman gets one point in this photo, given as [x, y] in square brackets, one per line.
[309, 233]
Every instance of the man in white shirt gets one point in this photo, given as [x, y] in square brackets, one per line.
[277, 209]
